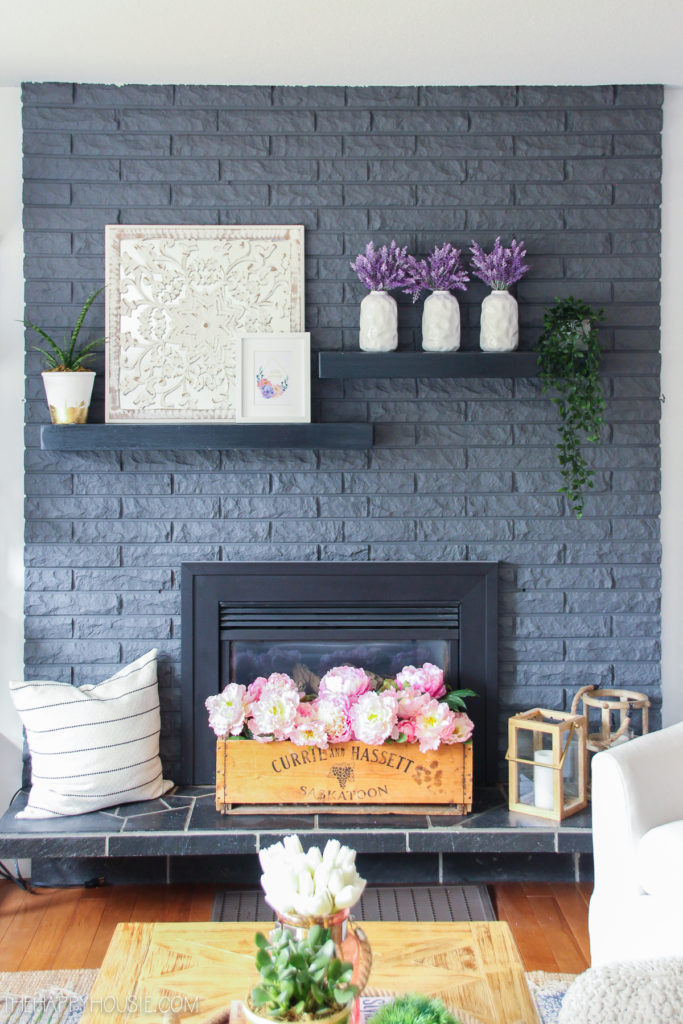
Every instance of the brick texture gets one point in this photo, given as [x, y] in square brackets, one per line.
[460, 470]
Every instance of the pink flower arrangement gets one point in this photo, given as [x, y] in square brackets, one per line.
[344, 681]
[415, 707]
[228, 710]
[333, 712]
[428, 679]
[373, 716]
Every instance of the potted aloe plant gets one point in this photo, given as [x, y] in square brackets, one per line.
[68, 383]
[301, 979]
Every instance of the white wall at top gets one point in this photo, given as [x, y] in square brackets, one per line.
[355, 42]
[347, 42]
[11, 432]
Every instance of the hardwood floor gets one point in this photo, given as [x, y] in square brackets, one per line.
[70, 928]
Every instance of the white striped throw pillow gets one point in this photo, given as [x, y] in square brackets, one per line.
[95, 745]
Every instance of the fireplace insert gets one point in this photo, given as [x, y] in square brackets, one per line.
[243, 620]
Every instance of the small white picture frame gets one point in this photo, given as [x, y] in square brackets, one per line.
[274, 378]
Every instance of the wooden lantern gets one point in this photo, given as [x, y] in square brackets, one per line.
[547, 763]
[615, 706]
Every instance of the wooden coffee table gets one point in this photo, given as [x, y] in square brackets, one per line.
[197, 970]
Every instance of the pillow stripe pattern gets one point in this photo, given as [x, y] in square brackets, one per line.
[92, 746]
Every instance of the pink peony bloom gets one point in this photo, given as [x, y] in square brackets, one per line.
[344, 681]
[462, 729]
[308, 730]
[274, 713]
[333, 712]
[228, 710]
[404, 727]
[428, 679]
[434, 725]
[256, 687]
[434, 684]
[411, 701]
[373, 716]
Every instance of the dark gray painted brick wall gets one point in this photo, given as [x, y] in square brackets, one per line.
[461, 470]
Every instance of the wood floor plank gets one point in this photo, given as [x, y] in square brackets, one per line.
[569, 956]
[177, 904]
[69, 928]
[534, 948]
[573, 907]
[149, 900]
[24, 925]
[59, 908]
[12, 901]
[202, 902]
[120, 901]
[81, 932]
[586, 890]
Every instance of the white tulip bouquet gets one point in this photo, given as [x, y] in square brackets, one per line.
[311, 884]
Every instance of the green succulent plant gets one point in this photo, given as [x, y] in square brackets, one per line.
[414, 1009]
[300, 979]
[569, 357]
[67, 357]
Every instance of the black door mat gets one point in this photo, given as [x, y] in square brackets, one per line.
[385, 903]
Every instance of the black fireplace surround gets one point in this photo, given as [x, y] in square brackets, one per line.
[246, 614]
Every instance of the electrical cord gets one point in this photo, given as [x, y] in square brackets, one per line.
[17, 879]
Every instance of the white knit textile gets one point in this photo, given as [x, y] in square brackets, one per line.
[92, 746]
[630, 992]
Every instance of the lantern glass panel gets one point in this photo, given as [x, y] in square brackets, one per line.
[570, 769]
[535, 779]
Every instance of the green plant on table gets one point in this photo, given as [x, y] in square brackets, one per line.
[67, 357]
[300, 979]
[414, 1009]
[569, 358]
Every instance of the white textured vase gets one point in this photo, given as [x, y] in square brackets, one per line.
[499, 323]
[441, 323]
[378, 323]
[68, 394]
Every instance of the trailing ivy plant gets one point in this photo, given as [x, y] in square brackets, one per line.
[569, 356]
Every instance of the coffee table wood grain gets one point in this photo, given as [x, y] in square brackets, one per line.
[197, 969]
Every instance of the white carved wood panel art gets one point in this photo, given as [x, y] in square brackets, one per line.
[177, 300]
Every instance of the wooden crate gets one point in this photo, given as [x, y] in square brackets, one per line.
[346, 775]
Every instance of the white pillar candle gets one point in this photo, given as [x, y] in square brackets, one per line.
[543, 780]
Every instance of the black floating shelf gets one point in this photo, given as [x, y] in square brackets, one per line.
[360, 365]
[200, 437]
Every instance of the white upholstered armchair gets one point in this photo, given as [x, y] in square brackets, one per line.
[636, 910]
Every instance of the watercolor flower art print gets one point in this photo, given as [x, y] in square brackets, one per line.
[270, 386]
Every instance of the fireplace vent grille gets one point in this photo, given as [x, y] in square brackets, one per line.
[390, 615]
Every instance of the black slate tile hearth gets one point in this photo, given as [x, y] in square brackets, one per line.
[187, 826]
[142, 807]
[205, 818]
[174, 820]
[471, 841]
[372, 821]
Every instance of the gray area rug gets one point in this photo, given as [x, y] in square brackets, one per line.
[60, 997]
[383, 903]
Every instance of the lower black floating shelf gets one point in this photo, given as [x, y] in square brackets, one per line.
[200, 437]
[359, 365]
